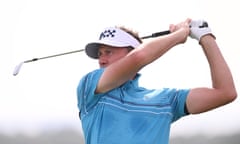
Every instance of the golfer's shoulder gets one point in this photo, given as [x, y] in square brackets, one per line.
[95, 74]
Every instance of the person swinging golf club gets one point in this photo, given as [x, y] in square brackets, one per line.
[114, 109]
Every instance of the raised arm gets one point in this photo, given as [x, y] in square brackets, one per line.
[223, 90]
[127, 67]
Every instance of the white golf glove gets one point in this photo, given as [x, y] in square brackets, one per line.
[199, 28]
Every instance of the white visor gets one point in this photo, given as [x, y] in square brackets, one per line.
[111, 36]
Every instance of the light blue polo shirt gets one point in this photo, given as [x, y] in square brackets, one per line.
[128, 114]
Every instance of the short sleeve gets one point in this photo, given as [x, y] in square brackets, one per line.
[86, 91]
[179, 102]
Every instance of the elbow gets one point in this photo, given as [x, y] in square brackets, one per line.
[231, 95]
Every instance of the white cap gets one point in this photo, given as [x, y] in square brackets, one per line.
[111, 36]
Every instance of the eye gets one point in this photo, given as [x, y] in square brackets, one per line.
[99, 53]
[106, 52]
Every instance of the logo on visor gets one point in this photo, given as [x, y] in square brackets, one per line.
[107, 33]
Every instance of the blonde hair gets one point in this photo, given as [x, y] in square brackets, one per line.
[131, 32]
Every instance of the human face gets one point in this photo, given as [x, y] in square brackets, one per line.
[108, 54]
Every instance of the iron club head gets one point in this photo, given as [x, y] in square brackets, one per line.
[17, 68]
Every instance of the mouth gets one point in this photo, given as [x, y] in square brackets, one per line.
[103, 65]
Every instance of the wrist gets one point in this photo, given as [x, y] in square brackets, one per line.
[206, 38]
[181, 35]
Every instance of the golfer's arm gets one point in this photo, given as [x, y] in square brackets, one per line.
[223, 90]
[126, 68]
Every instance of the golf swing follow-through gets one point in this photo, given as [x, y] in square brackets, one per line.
[114, 109]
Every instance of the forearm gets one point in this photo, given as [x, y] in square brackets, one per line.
[220, 72]
[222, 91]
[155, 48]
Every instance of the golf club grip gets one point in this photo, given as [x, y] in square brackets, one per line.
[160, 33]
[157, 34]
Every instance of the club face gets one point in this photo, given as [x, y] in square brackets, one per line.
[17, 69]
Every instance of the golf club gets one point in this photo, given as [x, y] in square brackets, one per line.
[18, 67]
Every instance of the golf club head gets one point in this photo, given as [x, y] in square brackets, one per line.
[17, 69]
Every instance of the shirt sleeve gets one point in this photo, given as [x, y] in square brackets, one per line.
[86, 91]
[179, 102]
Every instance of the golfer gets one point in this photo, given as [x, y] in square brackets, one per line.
[114, 109]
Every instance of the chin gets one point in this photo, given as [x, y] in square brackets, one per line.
[102, 66]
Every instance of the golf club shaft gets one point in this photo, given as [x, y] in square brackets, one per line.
[18, 67]
[56, 55]
[51, 56]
